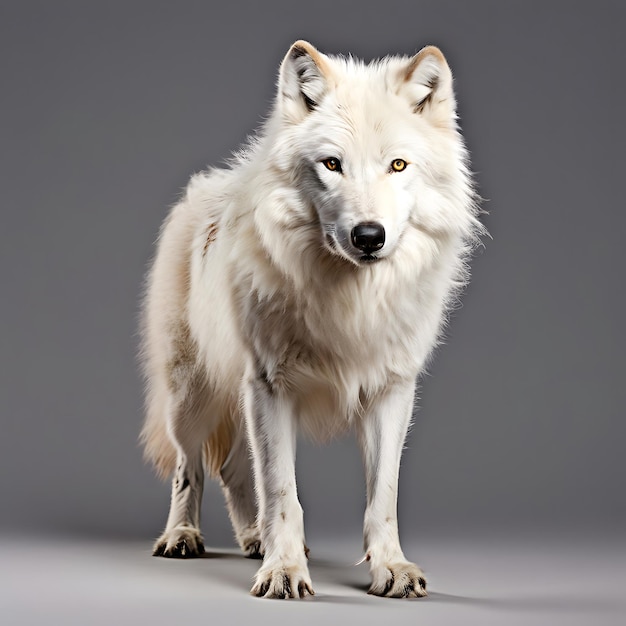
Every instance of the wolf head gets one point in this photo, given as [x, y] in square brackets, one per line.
[372, 148]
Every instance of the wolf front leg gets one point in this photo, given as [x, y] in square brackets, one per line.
[272, 432]
[382, 432]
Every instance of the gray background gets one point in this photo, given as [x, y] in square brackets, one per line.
[108, 107]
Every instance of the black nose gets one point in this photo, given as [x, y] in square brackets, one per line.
[368, 236]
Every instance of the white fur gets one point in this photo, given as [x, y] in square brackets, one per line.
[261, 310]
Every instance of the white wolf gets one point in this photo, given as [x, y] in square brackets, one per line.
[304, 288]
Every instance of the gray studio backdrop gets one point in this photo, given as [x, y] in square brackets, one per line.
[108, 107]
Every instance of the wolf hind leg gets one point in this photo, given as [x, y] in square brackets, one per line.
[238, 487]
[188, 425]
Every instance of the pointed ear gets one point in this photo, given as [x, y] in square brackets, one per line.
[303, 81]
[426, 82]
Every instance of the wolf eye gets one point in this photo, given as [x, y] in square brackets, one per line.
[332, 164]
[397, 165]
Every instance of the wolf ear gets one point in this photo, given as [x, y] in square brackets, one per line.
[303, 81]
[426, 82]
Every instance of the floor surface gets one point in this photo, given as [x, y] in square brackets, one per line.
[487, 580]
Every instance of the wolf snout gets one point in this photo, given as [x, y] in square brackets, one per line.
[368, 237]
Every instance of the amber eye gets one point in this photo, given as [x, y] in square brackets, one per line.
[397, 165]
[332, 164]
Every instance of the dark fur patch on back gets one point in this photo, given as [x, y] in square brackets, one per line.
[211, 236]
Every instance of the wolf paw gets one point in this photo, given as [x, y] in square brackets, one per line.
[182, 542]
[253, 550]
[398, 580]
[282, 581]
[249, 541]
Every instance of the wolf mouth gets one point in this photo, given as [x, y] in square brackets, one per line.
[369, 258]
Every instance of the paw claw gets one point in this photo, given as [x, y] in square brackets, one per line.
[287, 586]
[159, 549]
[262, 590]
[305, 589]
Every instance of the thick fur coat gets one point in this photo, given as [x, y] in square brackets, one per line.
[304, 288]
